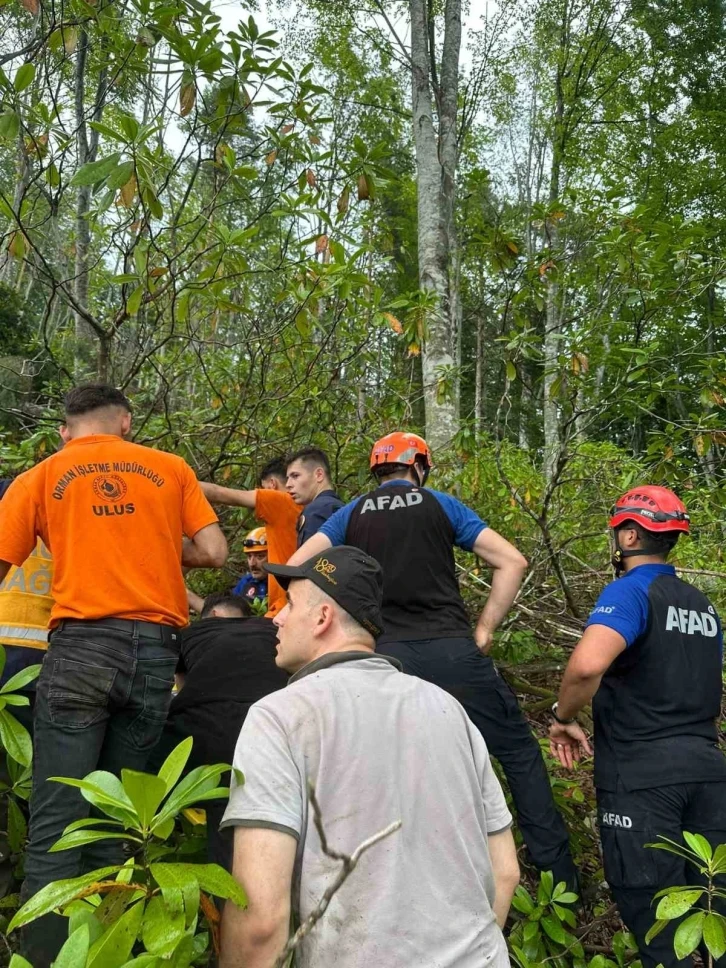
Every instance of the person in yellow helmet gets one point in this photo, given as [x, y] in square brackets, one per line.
[253, 585]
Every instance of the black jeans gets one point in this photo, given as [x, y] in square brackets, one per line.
[634, 872]
[102, 699]
[457, 666]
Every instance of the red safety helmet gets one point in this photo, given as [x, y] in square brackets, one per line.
[401, 448]
[654, 508]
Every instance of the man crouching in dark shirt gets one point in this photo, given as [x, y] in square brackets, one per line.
[227, 663]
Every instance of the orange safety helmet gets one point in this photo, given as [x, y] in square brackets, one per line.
[256, 540]
[400, 448]
[654, 508]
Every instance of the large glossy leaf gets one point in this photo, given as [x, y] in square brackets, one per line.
[162, 931]
[17, 826]
[17, 961]
[15, 739]
[674, 905]
[211, 878]
[699, 845]
[145, 791]
[179, 888]
[95, 171]
[56, 895]
[77, 838]
[174, 764]
[81, 912]
[75, 951]
[91, 822]
[114, 947]
[21, 679]
[714, 934]
[688, 935]
[104, 790]
[191, 789]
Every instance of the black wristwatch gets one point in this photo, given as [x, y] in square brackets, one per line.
[562, 722]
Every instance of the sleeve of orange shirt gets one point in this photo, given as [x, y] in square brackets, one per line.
[18, 523]
[197, 512]
[280, 513]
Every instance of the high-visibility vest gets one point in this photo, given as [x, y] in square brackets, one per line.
[25, 601]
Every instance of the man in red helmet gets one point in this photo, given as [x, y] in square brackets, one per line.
[650, 659]
[411, 531]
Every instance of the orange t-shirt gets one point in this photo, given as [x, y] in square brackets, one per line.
[112, 513]
[280, 513]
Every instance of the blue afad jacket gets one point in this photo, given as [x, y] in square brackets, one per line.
[251, 588]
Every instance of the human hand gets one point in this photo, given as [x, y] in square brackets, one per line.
[568, 742]
[484, 639]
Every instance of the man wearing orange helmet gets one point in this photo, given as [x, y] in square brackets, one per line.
[412, 530]
[253, 585]
[650, 660]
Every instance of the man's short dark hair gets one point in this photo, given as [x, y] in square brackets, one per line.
[93, 396]
[277, 467]
[226, 600]
[653, 542]
[311, 457]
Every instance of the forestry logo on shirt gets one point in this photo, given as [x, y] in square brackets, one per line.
[326, 569]
[110, 487]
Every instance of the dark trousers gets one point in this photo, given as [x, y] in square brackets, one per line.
[457, 666]
[634, 872]
[101, 704]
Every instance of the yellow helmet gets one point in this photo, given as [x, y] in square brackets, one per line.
[256, 540]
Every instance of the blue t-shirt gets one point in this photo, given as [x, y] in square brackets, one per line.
[317, 513]
[466, 524]
[251, 587]
[623, 605]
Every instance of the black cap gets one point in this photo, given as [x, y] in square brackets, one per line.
[351, 577]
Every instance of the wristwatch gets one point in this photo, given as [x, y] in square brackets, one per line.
[562, 722]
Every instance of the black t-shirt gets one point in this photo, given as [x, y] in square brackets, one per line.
[229, 664]
[410, 535]
[656, 710]
[315, 514]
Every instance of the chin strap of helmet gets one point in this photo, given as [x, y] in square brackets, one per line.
[619, 555]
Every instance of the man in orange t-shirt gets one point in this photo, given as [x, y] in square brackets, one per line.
[114, 516]
[273, 505]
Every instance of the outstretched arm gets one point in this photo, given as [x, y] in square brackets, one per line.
[263, 865]
[313, 546]
[229, 496]
[509, 567]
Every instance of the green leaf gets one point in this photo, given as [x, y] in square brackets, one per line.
[173, 766]
[145, 961]
[104, 790]
[544, 890]
[522, 902]
[118, 178]
[24, 77]
[554, 929]
[655, 930]
[21, 679]
[699, 845]
[81, 912]
[77, 838]
[145, 791]
[214, 879]
[179, 888]
[17, 961]
[14, 700]
[56, 895]
[719, 859]
[133, 303]
[192, 789]
[676, 904]
[688, 935]
[17, 826]
[162, 930]
[114, 947]
[91, 822]
[9, 125]
[15, 738]
[96, 171]
[511, 371]
[164, 830]
[75, 951]
[714, 935]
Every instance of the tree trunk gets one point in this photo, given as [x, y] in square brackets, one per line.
[436, 157]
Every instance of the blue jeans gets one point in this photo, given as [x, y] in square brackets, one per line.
[101, 704]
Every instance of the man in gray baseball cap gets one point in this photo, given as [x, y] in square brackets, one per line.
[378, 746]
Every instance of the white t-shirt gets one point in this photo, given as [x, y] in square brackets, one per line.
[378, 746]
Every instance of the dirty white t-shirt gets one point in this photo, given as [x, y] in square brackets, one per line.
[378, 746]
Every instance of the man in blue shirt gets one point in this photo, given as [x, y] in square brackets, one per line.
[411, 531]
[309, 485]
[650, 659]
[253, 585]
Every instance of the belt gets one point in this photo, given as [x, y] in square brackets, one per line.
[149, 630]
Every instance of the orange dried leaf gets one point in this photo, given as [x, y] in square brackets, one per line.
[364, 191]
[414, 350]
[513, 248]
[394, 323]
[546, 266]
[343, 201]
[128, 192]
[187, 99]
[310, 178]
[219, 153]
[321, 243]
[135, 227]
[314, 139]
[158, 271]
[287, 128]
[32, 6]
[270, 159]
